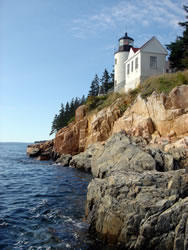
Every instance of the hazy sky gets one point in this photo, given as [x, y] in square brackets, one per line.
[50, 51]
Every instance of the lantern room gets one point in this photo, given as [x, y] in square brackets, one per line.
[125, 43]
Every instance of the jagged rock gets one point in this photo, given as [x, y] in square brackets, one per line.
[64, 160]
[167, 115]
[33, 151]
[80, 113]
[78, 135]
[46, 156]
[182, 143]
[119, 154]
[179, 97]
[146, 209]
[131, 204]
[101, 124]
[38, 149]
[83, 160]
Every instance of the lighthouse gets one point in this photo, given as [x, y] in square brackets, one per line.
[120, 56]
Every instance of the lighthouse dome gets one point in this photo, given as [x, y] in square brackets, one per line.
[125, 43]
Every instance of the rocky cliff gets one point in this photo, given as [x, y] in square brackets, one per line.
[138, 198]
[158, 119]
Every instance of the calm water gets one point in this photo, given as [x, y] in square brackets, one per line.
[41, 204]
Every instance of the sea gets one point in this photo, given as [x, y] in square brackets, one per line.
[41, 204]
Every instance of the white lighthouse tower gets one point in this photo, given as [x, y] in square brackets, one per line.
[120, 56]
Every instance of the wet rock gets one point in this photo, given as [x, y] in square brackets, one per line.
[46, 156]
[33, 151]
[64, 160]
[44, 151]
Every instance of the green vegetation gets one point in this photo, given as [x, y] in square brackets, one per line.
[179, 49]
[98, 97]
[66, 114]
[162, 83]
[101, 86]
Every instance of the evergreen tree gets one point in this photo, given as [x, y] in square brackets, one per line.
[94, 87]
[185, 39]
[105, 80]
[83, 99]
[111, 83]
[66, 114]
[179, 49]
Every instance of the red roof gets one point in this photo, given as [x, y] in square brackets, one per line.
[135, 49]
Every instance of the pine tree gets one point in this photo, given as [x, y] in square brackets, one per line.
[66, 114]
[111, 83]
[185, 39]
[94, 87]
[179, 49]
[105, 80]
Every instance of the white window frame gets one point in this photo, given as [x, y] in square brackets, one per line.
[153, 62]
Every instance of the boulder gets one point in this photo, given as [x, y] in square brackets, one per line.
[44, 151]
[120, 155]
[179, 97]
[168, 115]
[139, 196]
[46, 156]
[64, 160]
[83, 160]
[33, 151]
[140, 210]
[101, 124]
[80, 113]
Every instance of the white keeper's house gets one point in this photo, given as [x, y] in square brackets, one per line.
[133, 65]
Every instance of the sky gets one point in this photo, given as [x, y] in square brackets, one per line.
[50, 51]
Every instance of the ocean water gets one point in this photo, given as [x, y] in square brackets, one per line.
[41, 204]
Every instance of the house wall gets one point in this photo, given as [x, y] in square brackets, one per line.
[119, 70]
[133, 78]
[145, 65]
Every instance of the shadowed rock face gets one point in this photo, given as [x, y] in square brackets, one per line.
[132, 205]
[44, 151]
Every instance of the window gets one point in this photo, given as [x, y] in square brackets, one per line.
[132, 66]
[153, 62]
[136, 63]
[128, 68]
[115, 60]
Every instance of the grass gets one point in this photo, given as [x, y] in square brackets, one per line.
[162, 83]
